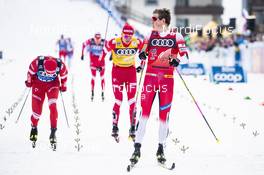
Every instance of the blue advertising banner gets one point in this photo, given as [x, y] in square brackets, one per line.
[192, 69]
[230, 74]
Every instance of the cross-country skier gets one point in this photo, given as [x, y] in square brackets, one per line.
[61, 44]
[163, 47]
[123, 51]
[96, 47]
[46, 76]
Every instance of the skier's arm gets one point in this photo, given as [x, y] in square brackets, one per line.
[181, 46]
[110, 45]
[63, 77]
[181, 49]
[85, 45]
[144, 49]
[143, 54]
[32, 70]
[104, 51]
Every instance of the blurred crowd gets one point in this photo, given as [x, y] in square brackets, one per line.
[209, 43]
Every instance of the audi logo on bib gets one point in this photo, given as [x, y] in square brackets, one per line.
[126, 51]
[163, 42]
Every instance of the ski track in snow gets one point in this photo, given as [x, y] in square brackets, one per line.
[33, 31]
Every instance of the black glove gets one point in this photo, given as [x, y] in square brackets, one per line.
[29, 85]
[174, 62]
[63, 88]
[82, 57]
[142, 55]
[99, 69]
[139, 69]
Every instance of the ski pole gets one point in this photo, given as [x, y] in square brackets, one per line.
[106, 28]
[141, 74]
[64, 110]
[217, 140]
[107, 23]
[23, 106]
[139, 83]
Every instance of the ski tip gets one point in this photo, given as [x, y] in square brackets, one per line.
[128, 168]
[117, 139]
[218, 141]
[33, 144]
[172, 166]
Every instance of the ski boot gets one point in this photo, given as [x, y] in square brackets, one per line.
[92, 96]
[53, 139]
[34, 136]
[160, 155]
[135, 156]
[115, 133]
[103, 96]
[132, 134]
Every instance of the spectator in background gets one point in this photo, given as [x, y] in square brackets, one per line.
[237, 54]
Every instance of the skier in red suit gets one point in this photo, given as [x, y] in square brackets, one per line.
[163, 47]
[96, 47]
[123, 51]
[46, 76]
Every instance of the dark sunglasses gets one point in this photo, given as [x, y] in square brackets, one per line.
[127, 36]
[154, 18]
[97, 36]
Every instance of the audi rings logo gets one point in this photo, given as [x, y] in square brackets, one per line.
[162, 42]
[126, 51]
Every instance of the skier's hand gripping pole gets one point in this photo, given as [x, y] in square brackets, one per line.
[142, 71]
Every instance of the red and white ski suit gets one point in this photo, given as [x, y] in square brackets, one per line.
[159, 79]
[41, 88]
[124, 74]
[97, 59]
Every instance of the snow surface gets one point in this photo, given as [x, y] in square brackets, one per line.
[31, 28]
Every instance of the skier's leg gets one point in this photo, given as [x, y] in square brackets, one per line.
[93, 71]
[131, 88]
[118, 93]
[52, 93]
[165, 101]
[102, 79]
[38, 97]
[117, 86]
[147, 97]
[69, 59]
